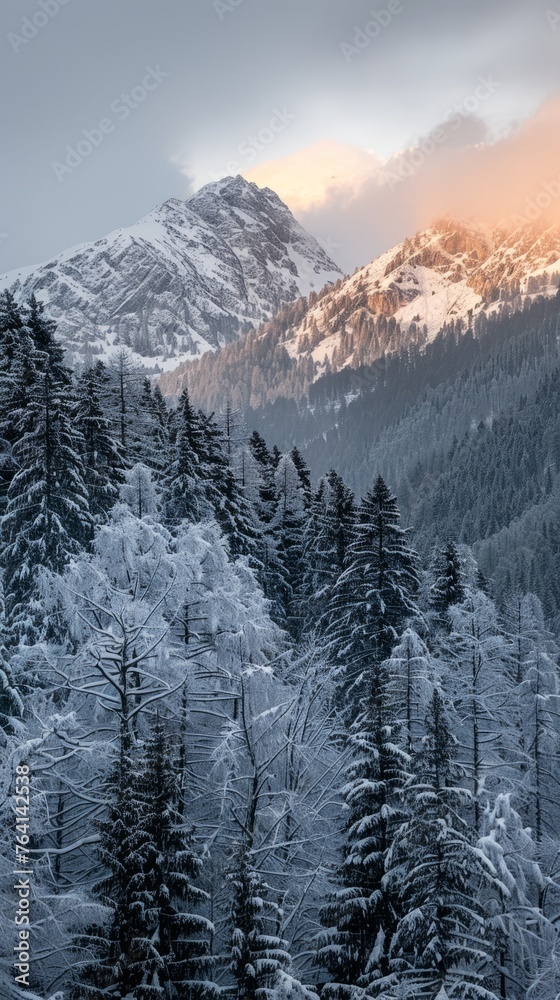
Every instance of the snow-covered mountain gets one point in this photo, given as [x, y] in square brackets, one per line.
[450, 273]
[187, 278]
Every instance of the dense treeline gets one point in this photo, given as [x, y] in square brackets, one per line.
[271, 752]
[467, 430]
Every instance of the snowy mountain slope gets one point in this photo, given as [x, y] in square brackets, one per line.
[446, 273]
[449, 274]
[187, 278]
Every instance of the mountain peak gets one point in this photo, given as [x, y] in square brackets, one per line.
[188, 277]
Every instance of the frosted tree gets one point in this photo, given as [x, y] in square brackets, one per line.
[411, 672]
[185, 494]
[123, 392]
[479, 683]
[328, 534]
[523, 935]
[441, 946]
[258, 954]
[285, 583]
[139, 492]
[534, 655]
[361, 915]
[449, 584]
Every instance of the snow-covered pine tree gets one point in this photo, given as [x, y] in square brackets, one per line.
[524, 936]
[375, 595]
[327, 537]
[102, 462]
[185, 494]
[47, 518]
[534, 655]
[11, 334]
[139, 491]
[285, 577]
[449, 583]
[152, 429]
[411, 671]
[156, 947]
[225, 494]
[479, 683]
[302, 471]
[441, 946]
[123, 392]
[267, 495]
[258, 954]
[361, 916]
[11, 701]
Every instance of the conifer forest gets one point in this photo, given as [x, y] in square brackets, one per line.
[268, 738]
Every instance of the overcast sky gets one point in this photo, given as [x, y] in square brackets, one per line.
[209, 75]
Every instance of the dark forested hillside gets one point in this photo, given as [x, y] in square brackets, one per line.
[467, 430]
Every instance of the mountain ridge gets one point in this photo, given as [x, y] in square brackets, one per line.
[452, 274]
[188, 277]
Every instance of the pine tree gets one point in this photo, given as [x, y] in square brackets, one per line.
[11, 701]
[258, 954]
[102, 462]
[123, 395]
[441, 946]
[449, 585]
[285, 576]
[361, 916]
[522, 933]
[225, 495]
[185, 494]
[139, 492]
[266, 487]
[47, 518]
[480, 685]
[375, 595]
[411, 671]
[328, 533]
[15, 342]
[155, 948]
[151, 444]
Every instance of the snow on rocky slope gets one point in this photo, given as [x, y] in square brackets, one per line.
[449, 274]
[188, 278]
[451, 271]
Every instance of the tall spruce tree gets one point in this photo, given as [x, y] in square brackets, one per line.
[376, 593]
[102, 462]
[361, 915]
[156, 947]
[12, 334]
[185, 494]
[285, 578]
[47, 518]
[328, 533]
[258, 954]
[449, 584]
[441, 946]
